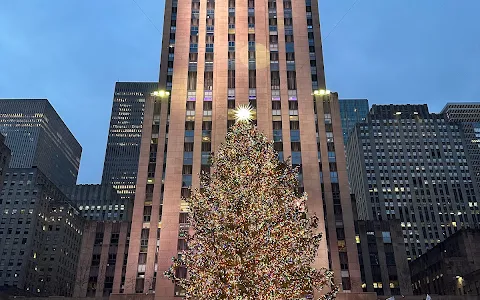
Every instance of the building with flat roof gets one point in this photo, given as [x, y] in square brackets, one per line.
[37, 137]
[409, 164]
[451, 267]
[468, 115]
[215, 57]
[124, 136]
[100, 202]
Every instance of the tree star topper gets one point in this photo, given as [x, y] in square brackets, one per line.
[243, 114]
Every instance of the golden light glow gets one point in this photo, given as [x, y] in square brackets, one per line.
[243, 113]
[161, 93]
[321, 92]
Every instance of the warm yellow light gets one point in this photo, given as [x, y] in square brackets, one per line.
[243, 113]
[161, 93]
[321, 92]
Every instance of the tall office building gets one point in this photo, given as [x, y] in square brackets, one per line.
[37, 137]
[40, 235]
[352, 111]
[216, 56]
[406, 163]
[124, 136]
[468, 114]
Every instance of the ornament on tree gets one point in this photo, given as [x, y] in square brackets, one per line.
[252, 236]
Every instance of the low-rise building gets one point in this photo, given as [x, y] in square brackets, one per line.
[383, 259]
[100, 202]
[451, 267]
[382, 256]
[102, 262]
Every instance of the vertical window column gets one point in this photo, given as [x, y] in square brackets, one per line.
[252, 73]
[206, 146]
[275, 79]
[311, 44]
[292, 93]
[142, 260]
[231, 64]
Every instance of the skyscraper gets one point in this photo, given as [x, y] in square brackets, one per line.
[409, 164]
[468, 114]
[352, 111]
[216, 56]
[37, 137]
[124, 136]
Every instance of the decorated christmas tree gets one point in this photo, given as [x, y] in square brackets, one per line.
[251, 236]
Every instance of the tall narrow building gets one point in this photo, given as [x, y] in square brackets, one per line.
[468, 114]
[37, 137]
[124, 136]
[352, 111]
[216, 56]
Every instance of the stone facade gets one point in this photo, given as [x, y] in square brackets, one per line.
[252, 63]
[102, 262]
[216, 56]
[451, 267]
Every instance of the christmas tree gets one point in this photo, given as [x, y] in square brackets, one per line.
[251, 237]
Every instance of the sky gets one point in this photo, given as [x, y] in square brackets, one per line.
[73, 51]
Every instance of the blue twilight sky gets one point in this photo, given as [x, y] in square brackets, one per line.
[73, 51]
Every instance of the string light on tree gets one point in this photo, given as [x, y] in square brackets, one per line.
[251, 237]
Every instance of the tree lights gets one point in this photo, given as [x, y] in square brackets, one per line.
[252, 237]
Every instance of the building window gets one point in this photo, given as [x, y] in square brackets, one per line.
[387, 239]
[147, 212]
[98, 238]
[96, 260]
[114, 238]
[346, 284]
